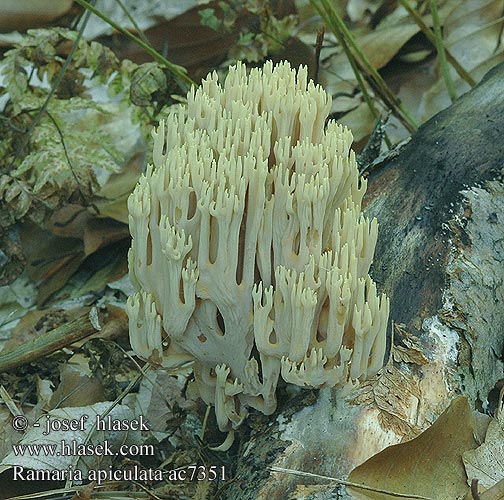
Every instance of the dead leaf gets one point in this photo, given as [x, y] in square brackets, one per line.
[486, 463]
[411, 351]
[18, 16]
[358, 10]
[406, 355]
[102, 232]
[397, 399]
[44, 391]
[192, 45]
[360, 121]
[472, 31]
[429, 465]
[69, 221]
[380, 46]
[159, 394]
[112, 263]
[52, 260]
[437, 98]
[113, 195]
[495, 492]
[76, 388]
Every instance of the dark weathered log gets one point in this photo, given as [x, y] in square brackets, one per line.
[440, 253]
[436, 211]
[416, 194]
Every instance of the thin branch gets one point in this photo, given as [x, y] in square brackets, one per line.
[48, 343]
[349, 483]
[318, 49]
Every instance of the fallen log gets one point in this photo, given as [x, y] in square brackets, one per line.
[439, 257]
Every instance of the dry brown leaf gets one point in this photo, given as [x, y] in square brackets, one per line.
[69, 221]
[113, 195]
[198, 48]
[396, 397]
[437, 98]
[102, 232]
[472, 31]
[18, 16]
[159, 393]
[44, 391]
[486, 463]
[360, 121]
[76, 388]
[52, 260]
[411, 351]
[494, 493]
[359, 10]
[383, 43]
[380, 46]
[429, 465]
[406, 355]
[473, 35]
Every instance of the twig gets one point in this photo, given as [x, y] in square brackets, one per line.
[133, 22]
[318, 49]
[358, 74]
[49, 342]
[349, 483]
[474, 489]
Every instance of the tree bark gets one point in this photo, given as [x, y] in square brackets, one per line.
[440, 205]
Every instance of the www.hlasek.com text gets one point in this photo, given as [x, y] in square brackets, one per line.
[74, 448]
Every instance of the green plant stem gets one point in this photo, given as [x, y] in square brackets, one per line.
[360, 82]
[358, 75]
[376, 78]
[179, 71]
[336, 24]
[445, 71]
[432, 39]
[141, 34]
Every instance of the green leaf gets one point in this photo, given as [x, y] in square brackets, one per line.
[209, 19]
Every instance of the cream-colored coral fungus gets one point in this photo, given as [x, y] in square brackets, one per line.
[250, 255]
